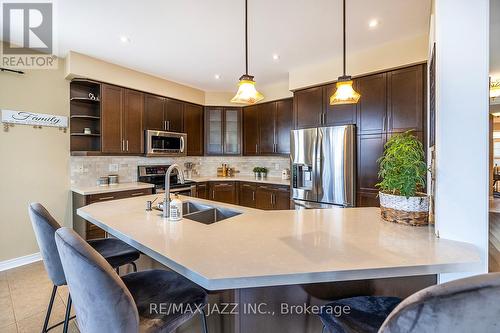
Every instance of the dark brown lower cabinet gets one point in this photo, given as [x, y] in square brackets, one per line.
[367, 199]
[88, 230]
[223, 192]
[370, 149]
[202, 190]
[272, 197]
[247, 195]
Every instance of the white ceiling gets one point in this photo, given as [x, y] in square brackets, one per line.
[189, 41]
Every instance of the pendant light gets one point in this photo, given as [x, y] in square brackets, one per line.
[345, 93]
[246, 94]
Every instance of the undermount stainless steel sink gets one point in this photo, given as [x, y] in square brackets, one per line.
[203, 213]
[211, 215]
[188, 207]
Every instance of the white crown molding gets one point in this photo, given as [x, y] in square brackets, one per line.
[21, 261]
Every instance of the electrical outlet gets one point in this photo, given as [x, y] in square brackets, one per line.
[113, 168]
[276, 166]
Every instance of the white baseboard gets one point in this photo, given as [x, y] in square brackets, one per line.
[21, 261]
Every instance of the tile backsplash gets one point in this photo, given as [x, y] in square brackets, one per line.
[86, 170]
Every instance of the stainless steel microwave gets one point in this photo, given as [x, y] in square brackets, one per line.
[161, 143]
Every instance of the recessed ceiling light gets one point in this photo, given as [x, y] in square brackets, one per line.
[217, 76]
[276, 56]
[124, 39]
[373, 24]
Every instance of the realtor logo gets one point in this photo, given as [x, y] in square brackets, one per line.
[28, 35]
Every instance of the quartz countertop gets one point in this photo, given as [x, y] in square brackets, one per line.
[87, 190]
[270, 248]
[268, 180]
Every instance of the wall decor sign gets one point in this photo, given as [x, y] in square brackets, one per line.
[34, 119]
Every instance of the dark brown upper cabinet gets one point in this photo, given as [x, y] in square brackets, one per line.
[163, 114]
[284, 116]
[266, 128]
[222, 131]
[111, 119]
[372, 106]
[193, 126]
[337, 114]
[405, 110]
[174, 115]
[132, 121]
[251, 130]
[309, 109]
[122, 114]
[154, 118]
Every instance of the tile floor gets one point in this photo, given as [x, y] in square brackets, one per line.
[24, 296]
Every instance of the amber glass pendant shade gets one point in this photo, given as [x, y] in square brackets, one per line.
[345, 93]
[247, 93]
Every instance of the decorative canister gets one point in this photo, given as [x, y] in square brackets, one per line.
[102, 181]
[113, 179]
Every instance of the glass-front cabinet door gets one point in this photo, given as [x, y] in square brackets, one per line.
[214, 127]
[222, 131]
[232, 131]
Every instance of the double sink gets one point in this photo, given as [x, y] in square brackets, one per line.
[203, 213]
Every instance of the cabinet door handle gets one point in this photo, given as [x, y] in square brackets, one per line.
[253, 195]
[383, 124]
[123, 145]
[168, 124]
[106, 198]
[213, 194]
[136, 194]
[256, 148]
[127, 145]
[165, 125]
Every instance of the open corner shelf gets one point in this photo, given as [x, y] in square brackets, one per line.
[83, 116]
[84, 134]
[85, 113]
[84, 100]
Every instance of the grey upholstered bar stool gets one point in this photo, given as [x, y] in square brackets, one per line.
[466, 305]
[116, 252]
[106, 303]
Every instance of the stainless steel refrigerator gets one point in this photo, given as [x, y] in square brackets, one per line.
[323, 166]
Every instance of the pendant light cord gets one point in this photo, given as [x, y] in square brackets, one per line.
[246, 37]
[343, 26]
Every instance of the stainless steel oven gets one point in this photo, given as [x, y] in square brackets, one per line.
[155, 174]
[161, 143]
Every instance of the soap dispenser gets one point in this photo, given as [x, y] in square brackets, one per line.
[176, 209]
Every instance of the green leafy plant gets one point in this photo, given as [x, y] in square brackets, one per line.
[402, 166]
[259, 169]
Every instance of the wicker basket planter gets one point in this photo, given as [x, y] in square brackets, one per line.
[410, 211]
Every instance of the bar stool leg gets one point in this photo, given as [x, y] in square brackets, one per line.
[68, 313]
[49, 309]
[134, 266]
[118, 270]
[203, 321]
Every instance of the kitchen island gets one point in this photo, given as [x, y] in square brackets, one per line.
[269, 248]
[266, 259]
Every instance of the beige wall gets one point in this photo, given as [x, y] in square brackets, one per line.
[80, 65]
[34, 162]
[386, 56]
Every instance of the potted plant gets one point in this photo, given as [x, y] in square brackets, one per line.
[403, 173]
[256, 172]
[260, 173]
[263, 173]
